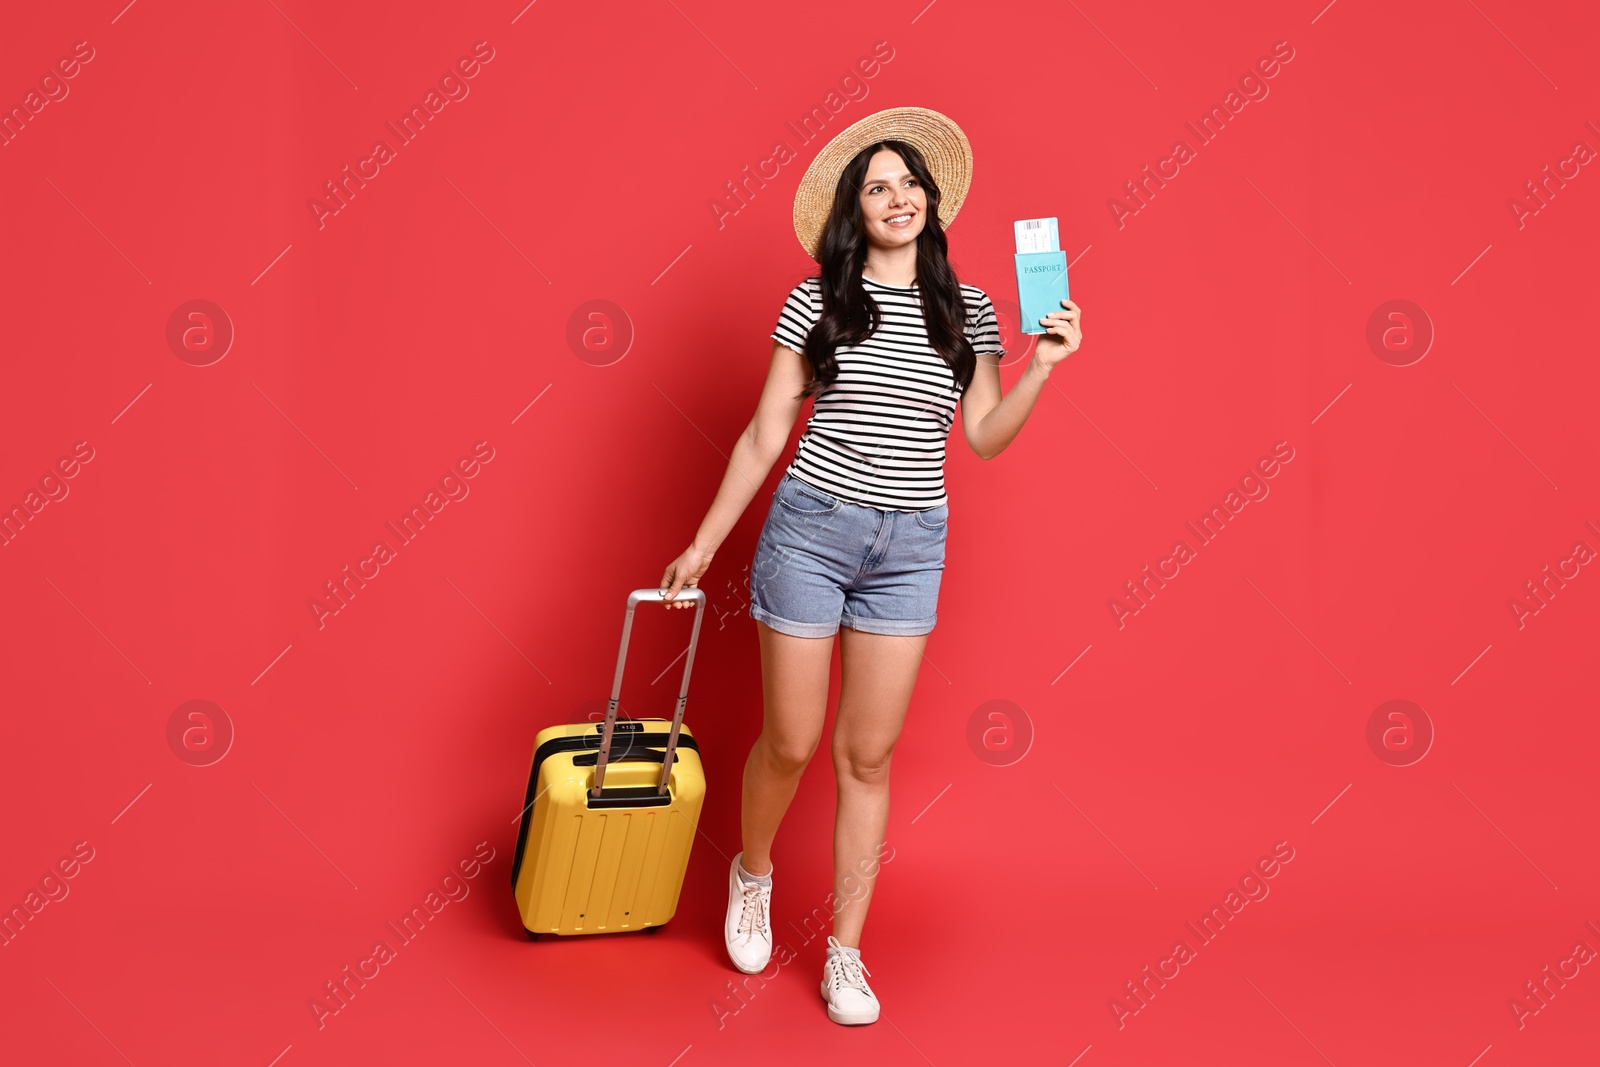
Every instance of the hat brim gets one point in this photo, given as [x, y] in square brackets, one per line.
[940, 140]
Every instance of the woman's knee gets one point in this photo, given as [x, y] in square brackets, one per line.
[862, 765]
[788, 754]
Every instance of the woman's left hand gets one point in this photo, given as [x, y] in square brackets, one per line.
[1063, 334]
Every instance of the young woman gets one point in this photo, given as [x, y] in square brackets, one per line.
[886, 340]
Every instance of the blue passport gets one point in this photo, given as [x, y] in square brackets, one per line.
[1041, 272]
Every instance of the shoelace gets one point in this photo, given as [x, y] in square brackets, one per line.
[753, 916]
[847, 969]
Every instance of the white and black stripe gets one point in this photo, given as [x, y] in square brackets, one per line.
[876, 435]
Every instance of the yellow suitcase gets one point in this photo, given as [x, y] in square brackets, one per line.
[610, 812]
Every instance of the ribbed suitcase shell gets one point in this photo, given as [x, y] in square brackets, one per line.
[586, 870]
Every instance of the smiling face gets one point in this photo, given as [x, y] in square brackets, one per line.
[893, 202]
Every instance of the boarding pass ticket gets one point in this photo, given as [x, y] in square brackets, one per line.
[1037, 235]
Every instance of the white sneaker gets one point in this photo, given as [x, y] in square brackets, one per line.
[850, 999]
[747, 931]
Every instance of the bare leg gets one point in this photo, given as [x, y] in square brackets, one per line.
[878, 674]
[794, 687]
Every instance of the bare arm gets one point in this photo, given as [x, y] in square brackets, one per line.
[991, 422]
[754, 454]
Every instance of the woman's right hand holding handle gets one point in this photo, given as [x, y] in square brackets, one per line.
[686, 570]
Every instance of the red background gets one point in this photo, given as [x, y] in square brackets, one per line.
[372, 754]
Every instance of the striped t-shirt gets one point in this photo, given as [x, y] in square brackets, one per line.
[876, 434]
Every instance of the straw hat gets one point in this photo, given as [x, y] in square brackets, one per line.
[940, 141]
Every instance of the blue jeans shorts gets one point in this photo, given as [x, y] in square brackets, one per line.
[822, 563]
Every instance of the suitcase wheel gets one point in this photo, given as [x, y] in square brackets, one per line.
[531, 935]
[653, 929]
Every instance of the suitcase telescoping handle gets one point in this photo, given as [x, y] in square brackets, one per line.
[634, 599]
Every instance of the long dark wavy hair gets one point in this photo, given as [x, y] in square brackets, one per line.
[849, 314]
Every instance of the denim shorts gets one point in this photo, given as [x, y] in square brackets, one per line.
[822, 562]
